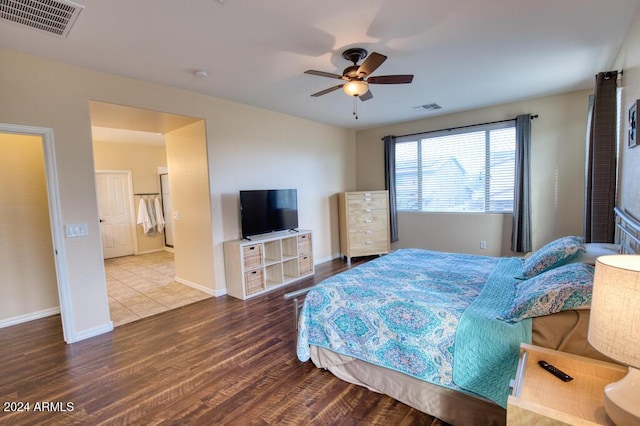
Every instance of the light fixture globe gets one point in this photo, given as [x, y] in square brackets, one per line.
[356, 88]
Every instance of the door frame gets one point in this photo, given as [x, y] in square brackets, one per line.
[169, 219]
[55, 215]
[132, 214]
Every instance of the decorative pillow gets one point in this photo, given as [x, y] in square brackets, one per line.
[562, 288]
[553, 254]
[593, 251]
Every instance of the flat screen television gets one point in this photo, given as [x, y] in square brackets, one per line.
[268, 210]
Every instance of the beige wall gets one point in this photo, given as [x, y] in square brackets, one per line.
[629, 175]
[28, 283]
[143, 162]
[278, 151]
[246, 147]
[189, 183]
[557, 178]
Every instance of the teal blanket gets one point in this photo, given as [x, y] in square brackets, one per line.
[487, 350]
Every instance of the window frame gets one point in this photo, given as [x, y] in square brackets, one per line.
[418, 139]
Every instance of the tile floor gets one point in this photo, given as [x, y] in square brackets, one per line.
[144, 285]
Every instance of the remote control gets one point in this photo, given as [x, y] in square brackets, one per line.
[553, 370]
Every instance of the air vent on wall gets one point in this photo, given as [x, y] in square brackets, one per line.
[52, 16]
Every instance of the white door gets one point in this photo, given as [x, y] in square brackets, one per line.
[116, 215]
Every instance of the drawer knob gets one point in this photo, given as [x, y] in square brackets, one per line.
[367, 221]
[368, 231]
[367, 210]
[369, 243]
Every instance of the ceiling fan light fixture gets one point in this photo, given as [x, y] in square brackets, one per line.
[356, 88]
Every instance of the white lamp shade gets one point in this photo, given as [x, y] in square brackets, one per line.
[356, 88]
[614, 330]
[614, 325]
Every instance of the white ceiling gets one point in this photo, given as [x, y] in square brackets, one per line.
[464, 54]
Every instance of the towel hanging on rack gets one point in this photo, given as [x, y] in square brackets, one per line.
[159, 216]
[143, 216]
[152, 212]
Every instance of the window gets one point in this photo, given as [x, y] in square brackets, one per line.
[466, 170]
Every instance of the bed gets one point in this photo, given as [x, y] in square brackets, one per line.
[441, 331]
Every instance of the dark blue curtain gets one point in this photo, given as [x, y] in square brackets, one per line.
[390, 183]
[521, 231]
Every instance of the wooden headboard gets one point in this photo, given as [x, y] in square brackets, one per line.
[627, 232]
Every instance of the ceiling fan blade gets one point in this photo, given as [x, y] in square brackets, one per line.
[366, 96]
[370, 64]
[391, 79]
[324, 74]
[329, 90]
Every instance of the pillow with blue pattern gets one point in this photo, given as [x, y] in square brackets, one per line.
[553, 254]
[559, 289]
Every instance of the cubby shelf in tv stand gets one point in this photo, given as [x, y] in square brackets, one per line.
[286, 257]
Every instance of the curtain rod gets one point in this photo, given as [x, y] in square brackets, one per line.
[147, 193]
[609, 73]
[461, 127]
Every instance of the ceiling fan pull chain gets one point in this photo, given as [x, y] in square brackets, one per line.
[355, 107]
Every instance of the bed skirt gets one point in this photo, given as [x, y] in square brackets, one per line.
[446, 404]
[565, 331]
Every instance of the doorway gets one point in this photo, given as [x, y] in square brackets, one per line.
[159, 276]
[50, 236]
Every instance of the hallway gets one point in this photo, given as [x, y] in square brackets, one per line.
[144, 285]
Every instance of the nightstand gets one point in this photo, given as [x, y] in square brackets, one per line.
[540, 398]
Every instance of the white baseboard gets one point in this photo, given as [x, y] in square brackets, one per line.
[317, 261]
[207, 290]
[92, 332]
[220, 292]
[149, 251]
[29, 317]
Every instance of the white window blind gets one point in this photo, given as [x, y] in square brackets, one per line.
[466, 170]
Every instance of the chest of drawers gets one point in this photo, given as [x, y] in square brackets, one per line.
[364, 223]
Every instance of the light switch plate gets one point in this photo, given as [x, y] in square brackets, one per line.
[73, 230]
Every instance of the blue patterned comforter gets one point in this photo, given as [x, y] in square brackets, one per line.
[401, 311]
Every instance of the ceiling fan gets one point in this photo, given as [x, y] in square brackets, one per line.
[358, 77]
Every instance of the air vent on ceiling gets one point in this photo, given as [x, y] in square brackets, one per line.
[52, 16]
[426, 107]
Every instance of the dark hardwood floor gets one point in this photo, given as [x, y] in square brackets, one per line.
[218, 361]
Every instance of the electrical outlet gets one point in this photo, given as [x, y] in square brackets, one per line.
[483, 245]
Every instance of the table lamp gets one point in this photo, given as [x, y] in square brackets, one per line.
[614, 330]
